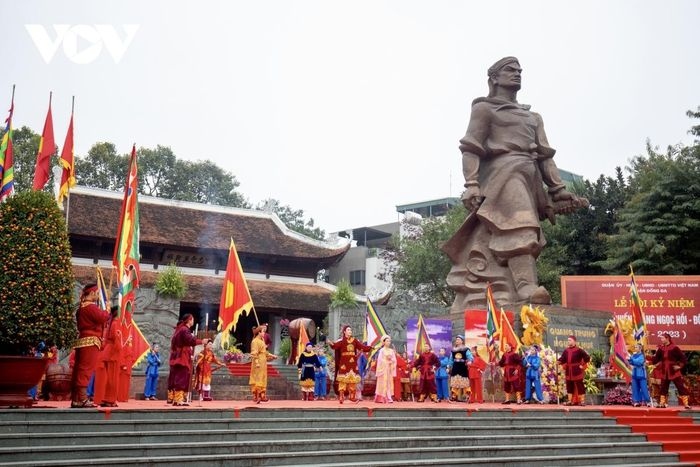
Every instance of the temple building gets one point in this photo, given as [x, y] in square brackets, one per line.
[281, 266]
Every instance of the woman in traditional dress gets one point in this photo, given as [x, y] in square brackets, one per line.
[386, 372]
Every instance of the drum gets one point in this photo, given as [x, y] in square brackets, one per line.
[58, 381]
[369, 386]
[415, 383]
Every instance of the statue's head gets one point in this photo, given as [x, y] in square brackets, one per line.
[506, 73]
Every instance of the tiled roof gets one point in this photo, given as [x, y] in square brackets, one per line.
[265, 293]
[95, 214]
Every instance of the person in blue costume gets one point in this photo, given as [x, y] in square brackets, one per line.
[320, 378]
[151, 385]
[443, 391]
[640, 390]
[533, 374]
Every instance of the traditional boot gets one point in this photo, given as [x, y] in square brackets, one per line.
[341, 396]
[684, 400]
[263, 396]
[663, 402]
[454, 395]
[304, 395]
[311, 396]
[179, 399]
[171, 395]
[256, 398]
[524, 272]
[207, 396]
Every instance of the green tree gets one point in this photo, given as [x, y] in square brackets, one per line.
[156, 166]
[102, 167]
[161, 174]
[415, 262]
[203, 182]
[292, 218]
[577, 243]
[659, 228]
[343, 296]
[171, 282]
[35, 274]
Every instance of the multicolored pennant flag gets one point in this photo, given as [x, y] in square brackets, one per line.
[493, 329]
[140, 344]
[618, 353]
[508, 335]
[422, 338]
[303, 340]
[67, 161]
[7, 172]
[126, 250]
[640, 327]
[47, 148]
[235, 296]
[374, 330]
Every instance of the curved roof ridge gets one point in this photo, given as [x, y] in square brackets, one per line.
[340, 242]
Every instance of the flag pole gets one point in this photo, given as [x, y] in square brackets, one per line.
[189, 387]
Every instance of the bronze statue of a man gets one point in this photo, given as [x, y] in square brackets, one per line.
[507, 162]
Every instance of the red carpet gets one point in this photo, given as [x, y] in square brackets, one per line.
[243, 369]
[676, 434]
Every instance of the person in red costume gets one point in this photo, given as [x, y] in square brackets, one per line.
[574, 361]
[347, 350]
[476, 370]
[671, 359]
[512, 365]
[426, 363]
[107, 371]
[181, 351]
[90, 320]
[126, 364]
[401, 367]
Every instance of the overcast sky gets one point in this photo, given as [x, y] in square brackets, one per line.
[346, 109]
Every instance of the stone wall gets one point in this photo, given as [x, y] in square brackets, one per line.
[393, 315]
[587, 326]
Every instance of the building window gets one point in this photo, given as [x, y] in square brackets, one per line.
[357, 277]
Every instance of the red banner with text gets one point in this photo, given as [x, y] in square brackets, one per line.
[670, 303]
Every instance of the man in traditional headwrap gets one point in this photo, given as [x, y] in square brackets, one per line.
[671, 359]
[506, 161]
[511, 362]
[574, 361]
[426, 363]
[347, 373]
[90, 320]
[181, 351]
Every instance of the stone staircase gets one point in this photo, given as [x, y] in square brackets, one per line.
[321, 437]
